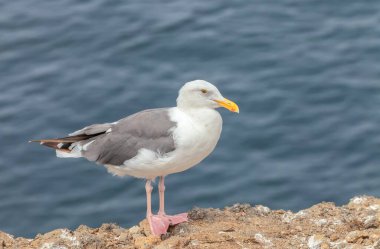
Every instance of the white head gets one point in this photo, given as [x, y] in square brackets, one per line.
[200, 94]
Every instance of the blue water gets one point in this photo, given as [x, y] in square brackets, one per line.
[306, 75]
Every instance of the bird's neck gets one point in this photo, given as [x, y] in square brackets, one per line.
[203, 115]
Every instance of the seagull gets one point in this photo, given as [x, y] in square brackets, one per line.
[153, 143]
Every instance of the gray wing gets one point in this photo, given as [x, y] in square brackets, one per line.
[149, 129]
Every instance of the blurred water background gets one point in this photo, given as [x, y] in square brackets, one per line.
[304, 73]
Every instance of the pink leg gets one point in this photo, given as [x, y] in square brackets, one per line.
[161, 190]
[172, 219]
[157, 225]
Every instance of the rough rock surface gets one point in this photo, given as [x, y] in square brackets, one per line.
[355, 225]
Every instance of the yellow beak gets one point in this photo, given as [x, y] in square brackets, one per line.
[228, 104]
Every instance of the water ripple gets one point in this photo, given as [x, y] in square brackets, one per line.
[305, 76]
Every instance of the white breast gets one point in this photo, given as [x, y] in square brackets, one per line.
[195, 136]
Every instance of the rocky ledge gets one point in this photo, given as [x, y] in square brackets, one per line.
[355, 225]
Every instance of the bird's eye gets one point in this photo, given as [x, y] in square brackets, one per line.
[203, 90]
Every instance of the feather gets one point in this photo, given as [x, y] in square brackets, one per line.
[64, 143]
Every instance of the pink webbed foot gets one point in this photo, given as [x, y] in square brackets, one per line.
[176, 219]
[159, 224]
